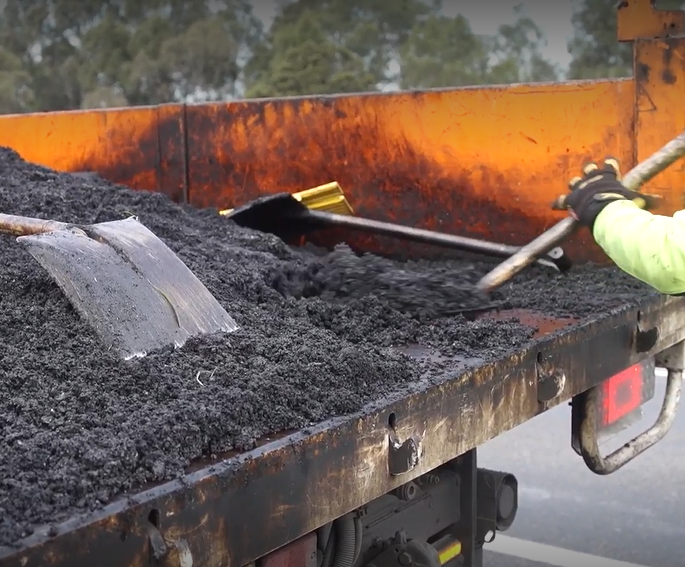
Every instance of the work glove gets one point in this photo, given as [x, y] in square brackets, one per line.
[597, 188]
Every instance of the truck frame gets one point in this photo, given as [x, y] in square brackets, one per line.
[440, 159]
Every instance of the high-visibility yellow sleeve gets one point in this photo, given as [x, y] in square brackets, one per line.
[649, 247]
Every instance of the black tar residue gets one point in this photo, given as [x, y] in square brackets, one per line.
[79, 427]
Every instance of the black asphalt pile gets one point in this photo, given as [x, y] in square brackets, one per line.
[79, 428]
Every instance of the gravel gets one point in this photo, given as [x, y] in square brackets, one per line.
[321, 336]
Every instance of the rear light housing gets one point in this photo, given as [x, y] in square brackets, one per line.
[622, 396]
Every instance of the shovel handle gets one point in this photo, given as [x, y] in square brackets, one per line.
[640, 174]
[430, 237]
[26, 226]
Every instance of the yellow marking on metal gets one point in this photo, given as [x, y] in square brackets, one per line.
[450, 552]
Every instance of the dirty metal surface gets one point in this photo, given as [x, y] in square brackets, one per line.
[659, 79]
[403, 157]
[291, 485]
[140, 147]
[639, 19]
[440, 160]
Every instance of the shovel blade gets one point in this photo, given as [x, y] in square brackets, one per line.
[281, 214]
[129, 286]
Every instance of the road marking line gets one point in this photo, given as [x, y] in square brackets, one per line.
[556, 556]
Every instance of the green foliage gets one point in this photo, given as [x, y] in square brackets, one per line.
[302, 59]
[16, 94]
[64, 54]
[98, 53]
[444, 52]
[595, 50]
[517, 48]
[669, 4]
[329, 46]
[441, 52]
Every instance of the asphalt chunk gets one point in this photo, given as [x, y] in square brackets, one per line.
[321, 335]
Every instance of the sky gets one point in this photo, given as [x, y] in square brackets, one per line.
[552, 16]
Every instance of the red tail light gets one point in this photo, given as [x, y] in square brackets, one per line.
[622, 394]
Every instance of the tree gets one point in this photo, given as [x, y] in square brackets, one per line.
[43, 35]
[305, 61]
[594, 48]
[93, 53]
[517, 51]
[179, 51]
[201, 62]
[444, 52]
[357, 37]
[441, 52]
[16, 94]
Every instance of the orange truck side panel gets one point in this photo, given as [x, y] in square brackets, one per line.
[142, 147]
[477, 162]
[482, 162]
[640, 19]
[659, 77]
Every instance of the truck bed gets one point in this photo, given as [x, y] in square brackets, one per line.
[236, 433]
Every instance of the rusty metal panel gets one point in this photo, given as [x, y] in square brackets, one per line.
[291, 486]
[300, 553]
[639, 19]
[141, 147]
[503, 153]
[660, 80]
[171, 147]
[480, 162]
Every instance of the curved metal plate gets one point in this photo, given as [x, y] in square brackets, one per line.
[129, 286]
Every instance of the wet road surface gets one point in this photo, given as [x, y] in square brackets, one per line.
[568, 516]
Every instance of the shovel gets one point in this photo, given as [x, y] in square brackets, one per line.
[124, 281]
[287, 217]
[328, 198]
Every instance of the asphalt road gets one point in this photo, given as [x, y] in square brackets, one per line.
[635, 516]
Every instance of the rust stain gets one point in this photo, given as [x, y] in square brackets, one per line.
[449, 160]
[140, 147]
[639, 19]
[528, 138]
[543, 324]
[660, 116]
[300, 553]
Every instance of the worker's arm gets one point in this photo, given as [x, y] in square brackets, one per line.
[649, 247]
